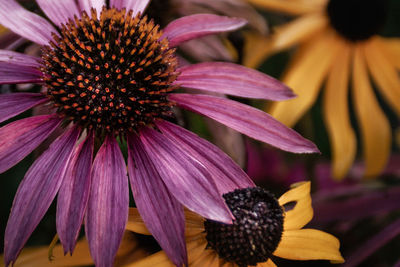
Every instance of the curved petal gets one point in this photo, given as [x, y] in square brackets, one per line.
[13, 104]
[27, 24]
[336, 114]
[373, 244]
[302, 212]
[392, 46]
[227, 175]
[309, 244]
[288, 7]
[74, 194]
[36, 192]
[135, 5]
[375, 128]
[315, 57]
[384, 73]
[161, 212]
[247, 120]
[232, 79]
[20, 59]
[107, 210]
[297, 31]
[14, 74]
[19, 138]
[187, 179]
[59, 11]
[195, 26]
[87, 5]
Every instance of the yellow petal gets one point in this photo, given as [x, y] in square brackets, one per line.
[38, 256]
[336, 113]
[375, 128]
[302, 212]
[268, 263]
[305, 76]
[297, 31]
[309, 244]
[256, 49]
[392, 46]
[159, 259]
[135, 223]
[384, 73]
[289, 6]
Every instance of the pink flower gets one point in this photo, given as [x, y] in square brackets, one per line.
[110, 75]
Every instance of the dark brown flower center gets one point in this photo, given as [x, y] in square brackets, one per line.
[255, 232]
[357, 20]
[110, 73]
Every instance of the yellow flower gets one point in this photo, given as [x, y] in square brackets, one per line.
[295, 243]
[340, 49]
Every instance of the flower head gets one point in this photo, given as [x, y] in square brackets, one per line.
[262, 228]
[110, 77]
[339, 44]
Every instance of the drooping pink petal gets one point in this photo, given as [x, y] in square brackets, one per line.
[87, 5]
[107, 211]
[186, 178]
[13, 104]
[14, 74]
[19, 59]
[59, 11]
[232, 79]
[19, 138]
[135, 5]
[36, 192]
[161, 212]
[227, 175]
[247, 120]
[195, 26]
[74, 194]
[27, 24]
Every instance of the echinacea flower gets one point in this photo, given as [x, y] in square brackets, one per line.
[109, 75]
[261, 229]
[339, 43]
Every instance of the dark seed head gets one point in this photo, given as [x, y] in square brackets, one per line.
[357, 20]
[110, 73]
[255, 232]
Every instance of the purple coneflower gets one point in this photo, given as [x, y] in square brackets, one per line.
[110, 75]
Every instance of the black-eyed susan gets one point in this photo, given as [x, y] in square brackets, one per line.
[339, 44]
[263, 227]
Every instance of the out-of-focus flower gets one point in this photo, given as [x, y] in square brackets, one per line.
[110, 75]
[338, 44]
[261, 229]
[129, 251]
[209, 47]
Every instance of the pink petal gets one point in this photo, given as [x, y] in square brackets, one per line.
[19, 59]
[87, 5]
[14, 74]
[36, 192]
[232, 79]
[107, 211]
[247, 120]
[185, 177]
[59, 11]
[19, 138]
[195, 26]
[27, 24]
[161, 212]
[74, 194]
[13, 104]
[226, 174]
[135, 5]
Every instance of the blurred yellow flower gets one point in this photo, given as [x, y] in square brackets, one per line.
[295, 243]
[339, 49]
